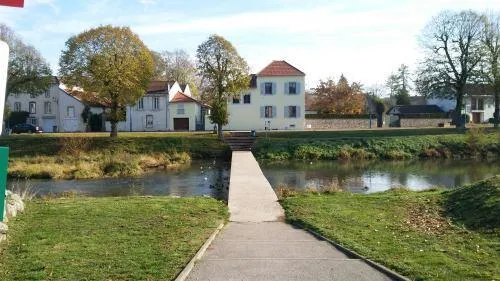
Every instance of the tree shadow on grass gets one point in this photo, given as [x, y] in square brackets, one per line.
[476, 206]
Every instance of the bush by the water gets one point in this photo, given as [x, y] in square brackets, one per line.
[473, 144]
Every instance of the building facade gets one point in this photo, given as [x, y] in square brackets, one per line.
[54, 111]
[166, 106]
[275, 100]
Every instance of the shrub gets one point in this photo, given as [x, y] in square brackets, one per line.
[474, 137]
[73, 145]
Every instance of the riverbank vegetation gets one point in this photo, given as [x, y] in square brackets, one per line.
[94, 155]
[431, 235]
[383, 144]
[134, 238]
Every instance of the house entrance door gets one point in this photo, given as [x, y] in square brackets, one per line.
[476, 117]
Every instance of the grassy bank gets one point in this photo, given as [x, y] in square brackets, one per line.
[433, 235]
[95, 155]
[384, 144]
[107, 238]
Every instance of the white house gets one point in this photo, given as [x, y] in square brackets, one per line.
[275, 100]
[54, 111]
[166, 106]
[479, 103]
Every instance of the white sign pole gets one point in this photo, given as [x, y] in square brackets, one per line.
[4, 62]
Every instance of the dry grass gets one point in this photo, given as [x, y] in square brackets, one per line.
[94, 165]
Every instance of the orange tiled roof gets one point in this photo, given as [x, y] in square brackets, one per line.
[280, 68]
[180, 97]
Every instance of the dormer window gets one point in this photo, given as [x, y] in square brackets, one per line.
[47, 94]
[268, 88]
[292, 88]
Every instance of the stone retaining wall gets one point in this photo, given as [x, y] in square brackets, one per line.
[333, 124]
[13, 205]
[421, 123]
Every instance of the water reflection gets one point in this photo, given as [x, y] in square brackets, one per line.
[200, 178]
[378, 176]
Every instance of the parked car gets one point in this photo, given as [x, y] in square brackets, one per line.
[26, 128]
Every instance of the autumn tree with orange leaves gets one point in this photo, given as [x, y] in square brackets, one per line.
[340, 97]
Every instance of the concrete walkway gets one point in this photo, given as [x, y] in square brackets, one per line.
[251, 197]
[257, 246]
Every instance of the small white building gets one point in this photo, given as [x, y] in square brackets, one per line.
[166, 106]
[275, 100]
[54, 111]
[479, 103]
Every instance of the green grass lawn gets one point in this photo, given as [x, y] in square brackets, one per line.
[433, 235]
[136, 238]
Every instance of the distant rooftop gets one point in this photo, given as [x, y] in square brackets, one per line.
[280, 68]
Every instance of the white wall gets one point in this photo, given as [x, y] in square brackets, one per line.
[248, 116]
[488, 109]
[70, 123]
[191, 111]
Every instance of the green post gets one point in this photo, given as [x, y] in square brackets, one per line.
[4, 163]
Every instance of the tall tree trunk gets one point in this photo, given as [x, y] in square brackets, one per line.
[114, 120]
[496, 114]
[114, 130]
[459, 123]
[219, 131]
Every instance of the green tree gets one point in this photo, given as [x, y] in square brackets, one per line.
[28, 71]
[491, 42]
[453, 50]
[399, 85]
[224, 73]
[110, 61]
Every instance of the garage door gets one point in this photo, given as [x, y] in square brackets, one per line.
[181, 124]
[48, 125]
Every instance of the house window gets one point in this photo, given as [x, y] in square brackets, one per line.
[480, 104]
[47, 107]
[268, 112]
[140, 104]
[17, 95]
[32, 107]
[156, 103]
[292, 88]
[268, 88]
[17, 106]
[477, 104]
[180, 108]
[236, 99]
[70, 111]
[149, 121]
[291, 111]
[33, 121]
[47, 94]
[246, 98]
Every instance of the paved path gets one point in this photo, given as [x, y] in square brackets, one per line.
[257, 246]
[251, 197]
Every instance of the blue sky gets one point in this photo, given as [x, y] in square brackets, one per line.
[365, 40]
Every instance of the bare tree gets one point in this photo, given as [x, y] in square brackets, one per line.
[491, 42]
[453, 51]
[179, 66]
